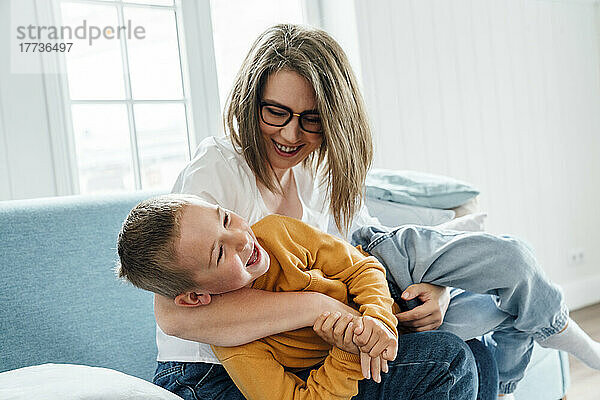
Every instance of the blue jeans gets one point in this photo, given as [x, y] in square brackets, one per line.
[487, 370]
[504, 289]
[429, 366]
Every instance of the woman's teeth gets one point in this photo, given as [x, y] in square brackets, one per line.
[286, 149]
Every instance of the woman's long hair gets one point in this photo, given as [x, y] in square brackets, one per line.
[346, 153]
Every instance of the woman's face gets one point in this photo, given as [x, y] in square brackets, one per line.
[289, 145]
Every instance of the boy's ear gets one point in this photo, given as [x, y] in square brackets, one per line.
[192, 299]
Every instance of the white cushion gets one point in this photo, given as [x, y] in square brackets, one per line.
[469, 222]
[71, 382]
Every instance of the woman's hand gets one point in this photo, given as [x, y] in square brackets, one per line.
[429, 315]
[339, 331]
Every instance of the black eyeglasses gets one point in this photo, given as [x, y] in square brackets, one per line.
[277, 115]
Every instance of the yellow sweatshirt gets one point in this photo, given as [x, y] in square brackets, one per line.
[306, 259]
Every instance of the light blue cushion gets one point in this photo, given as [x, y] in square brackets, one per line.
[394, 214]
[418, 189]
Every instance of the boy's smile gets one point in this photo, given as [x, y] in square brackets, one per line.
[219, 248]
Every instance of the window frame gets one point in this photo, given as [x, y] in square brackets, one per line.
[200, 92]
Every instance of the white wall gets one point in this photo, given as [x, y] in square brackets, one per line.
[503, 94]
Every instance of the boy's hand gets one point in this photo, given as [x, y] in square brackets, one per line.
[429, 315]
[372, 367]
[375, 338]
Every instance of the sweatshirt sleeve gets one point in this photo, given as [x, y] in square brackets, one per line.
[259, 375]
[363, 275]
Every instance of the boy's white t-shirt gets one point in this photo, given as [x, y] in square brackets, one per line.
[220, 175]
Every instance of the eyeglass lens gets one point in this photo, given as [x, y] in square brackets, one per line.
[277, 116]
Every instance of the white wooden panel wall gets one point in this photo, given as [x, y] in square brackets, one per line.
[504, 94]
[26, 156]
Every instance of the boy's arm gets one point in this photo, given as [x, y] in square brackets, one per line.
[256, 372]
[365, 279]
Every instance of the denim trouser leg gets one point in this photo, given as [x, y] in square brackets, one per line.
[485, 316]
[196, 381]
[487, 370]
[512, 351]
[429, 366]
[482, 310]
[485, 265]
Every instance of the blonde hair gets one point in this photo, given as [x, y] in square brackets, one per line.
[347, 147]
[146, 246]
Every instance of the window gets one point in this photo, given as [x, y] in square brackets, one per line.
[131, 101]
[126, 95]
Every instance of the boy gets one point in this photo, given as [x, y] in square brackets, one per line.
[207, 250]
[217, 252]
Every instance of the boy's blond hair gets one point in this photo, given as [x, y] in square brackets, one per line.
[146, 246]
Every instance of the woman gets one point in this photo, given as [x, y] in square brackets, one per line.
[299, 144]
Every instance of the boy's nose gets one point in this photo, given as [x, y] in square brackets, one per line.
[239, 239]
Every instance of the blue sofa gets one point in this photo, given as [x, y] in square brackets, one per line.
[61, 303]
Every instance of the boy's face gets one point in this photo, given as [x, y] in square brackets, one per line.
[219, 248]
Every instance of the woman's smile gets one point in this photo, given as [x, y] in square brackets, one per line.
[286, 151]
